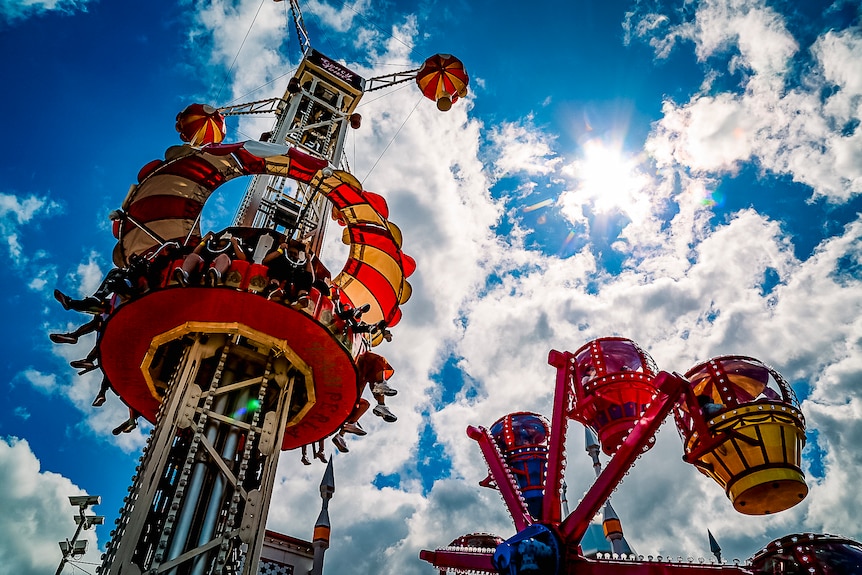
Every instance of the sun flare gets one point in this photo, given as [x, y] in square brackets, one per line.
[607, 180]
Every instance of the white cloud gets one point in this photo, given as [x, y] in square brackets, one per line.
[786, 127]
[88, 275]
[340, 17]
[837, 51]
[15, 10]
[36, 511]
[20, 210]
[521, 148]
[16, 213]
[751, 27]
[45, 382]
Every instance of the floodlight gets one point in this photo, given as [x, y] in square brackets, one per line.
[84, 500]
[90, 520]
[73, 548]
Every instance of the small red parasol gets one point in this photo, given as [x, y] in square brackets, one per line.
[442, 78]
[200, 124]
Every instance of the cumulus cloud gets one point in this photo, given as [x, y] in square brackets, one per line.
[339, 17]
[37, 513]
[518, 148]
[784, 124]
[88, 275]
[45, 382]
[17, 212]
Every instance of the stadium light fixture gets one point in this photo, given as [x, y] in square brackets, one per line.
[74, 548]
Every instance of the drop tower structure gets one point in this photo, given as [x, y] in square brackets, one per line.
[228, 376]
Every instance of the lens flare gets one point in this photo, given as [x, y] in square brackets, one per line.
[565, 248]
[538, 205]
[714, 199]
[251, 406]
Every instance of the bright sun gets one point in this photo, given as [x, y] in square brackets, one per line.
[607, 181]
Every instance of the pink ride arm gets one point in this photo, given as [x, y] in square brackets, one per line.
[572, 529]
[556, 458]
[511, 495]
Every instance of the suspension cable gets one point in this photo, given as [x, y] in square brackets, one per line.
[227, 74]
[392, 140]
[379, 29]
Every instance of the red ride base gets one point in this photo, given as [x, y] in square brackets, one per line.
[130, 330]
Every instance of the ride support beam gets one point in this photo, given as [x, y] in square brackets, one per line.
[268, 106]
[501, 476]
[551, 505]
[387, 80]
[670, 387]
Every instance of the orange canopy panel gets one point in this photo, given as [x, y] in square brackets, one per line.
[165, 204]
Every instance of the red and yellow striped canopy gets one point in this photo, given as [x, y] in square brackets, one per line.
[170, 194]
[442, 78]
[200, 124]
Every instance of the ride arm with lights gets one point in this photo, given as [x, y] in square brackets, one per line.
[551, 505]
[570, 531]
[502, 478]
[751, 448]
[671, 387]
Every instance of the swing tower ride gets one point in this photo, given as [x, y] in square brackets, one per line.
[228, 377]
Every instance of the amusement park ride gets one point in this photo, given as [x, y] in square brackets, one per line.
[740, 425]
[229, 371]
[230, 375]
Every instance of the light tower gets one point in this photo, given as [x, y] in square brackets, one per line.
[73, 547]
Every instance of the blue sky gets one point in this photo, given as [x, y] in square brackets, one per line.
[688, 177]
